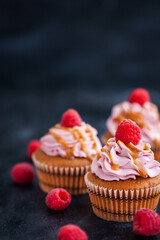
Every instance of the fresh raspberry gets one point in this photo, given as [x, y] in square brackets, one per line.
[71, 118]
[58, 199]
[146, 222]
[127, 132]
[71, 232]
[139, 95]
[32, 147]
[22, 173]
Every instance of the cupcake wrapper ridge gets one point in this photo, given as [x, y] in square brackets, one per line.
[70, 178]
[121, 205]
[127, 194]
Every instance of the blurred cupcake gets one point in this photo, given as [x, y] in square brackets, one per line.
[139, 109]
[66, 154]
[124, 177]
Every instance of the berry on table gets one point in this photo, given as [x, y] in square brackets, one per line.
[139, 95]
[127, 132]
[71, 232]
[146, 222]
[22, 173]
[58, 199]
[71, 118]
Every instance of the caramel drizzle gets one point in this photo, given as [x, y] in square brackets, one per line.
[134, 151]
[77, 136]
[135, 154]
[134, 116]
[114, 166]
[59, 139]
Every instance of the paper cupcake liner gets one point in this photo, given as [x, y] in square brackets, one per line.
[112, 216]
[121, 205]
[122, 194]
[70, 178]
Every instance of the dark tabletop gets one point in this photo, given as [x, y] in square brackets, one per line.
[28, 115]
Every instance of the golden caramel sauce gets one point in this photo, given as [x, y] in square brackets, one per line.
[106, 151]
[77, 134]
[134, 116]
[141, 169]
[91, 136]
[146, 147]
[114, 166]
[134, 151]
[59, 139]
[135, 154]
[98, 156]
[69, 153]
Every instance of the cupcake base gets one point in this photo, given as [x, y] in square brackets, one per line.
[112, 216]
[121, 204]
[120, 210]
[57, 172]
[105, 137]
[156, 151]
[75, 185]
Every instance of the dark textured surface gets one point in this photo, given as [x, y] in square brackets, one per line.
[23, 213]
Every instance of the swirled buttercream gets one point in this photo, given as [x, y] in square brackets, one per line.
[79, 141]
[146, 116]
[118, 161]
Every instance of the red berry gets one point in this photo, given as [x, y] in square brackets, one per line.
[146, 222]
[32, 147]
[71, 118]
[71, 232]
[139, 95]
[22, 173]
[58, 199]
[127, 132]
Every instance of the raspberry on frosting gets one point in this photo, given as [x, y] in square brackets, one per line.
[71, 118]
[146, 222]
[139, 95]
[58, 199]
[127, 132]
[71, 232]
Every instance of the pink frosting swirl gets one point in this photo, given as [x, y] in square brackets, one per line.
[118, 162]
[150, 116]
[79, 141]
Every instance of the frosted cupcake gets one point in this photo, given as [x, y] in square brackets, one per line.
[139, 109]
[66, 154]
[124, 177]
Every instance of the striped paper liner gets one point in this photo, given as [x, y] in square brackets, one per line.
[121, 205]
[70, 178]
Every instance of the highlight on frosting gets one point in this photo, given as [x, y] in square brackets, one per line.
[146, 117]
[118, 161]
[79, 141]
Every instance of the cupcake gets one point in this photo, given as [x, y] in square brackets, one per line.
[66, 154]
[124, 176]
[139, 109]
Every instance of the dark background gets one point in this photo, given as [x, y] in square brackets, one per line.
[56, 44]
[87, 55]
